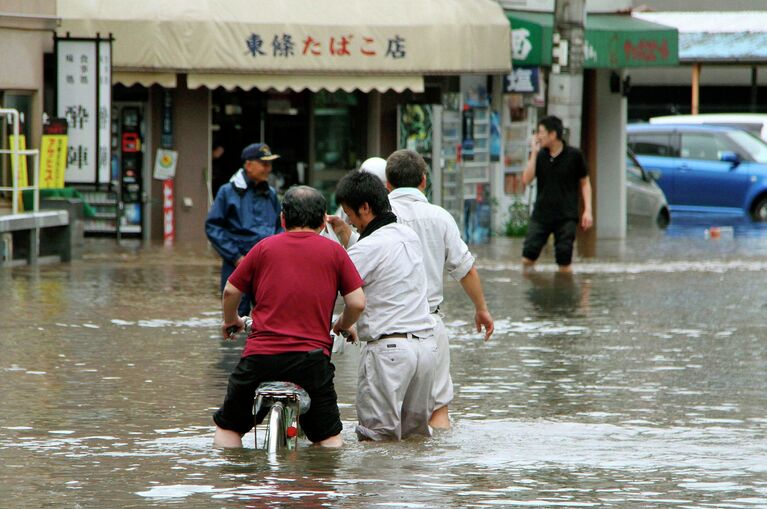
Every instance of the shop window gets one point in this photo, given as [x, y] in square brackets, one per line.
[339, 137]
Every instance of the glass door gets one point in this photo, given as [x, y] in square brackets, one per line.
[338, 139]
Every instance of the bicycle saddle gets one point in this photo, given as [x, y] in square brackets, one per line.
[286, 390]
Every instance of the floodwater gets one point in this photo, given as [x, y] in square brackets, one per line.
[638, 382]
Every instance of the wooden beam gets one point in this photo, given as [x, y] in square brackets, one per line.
[695, 89]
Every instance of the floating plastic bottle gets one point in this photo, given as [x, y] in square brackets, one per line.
[718, 232]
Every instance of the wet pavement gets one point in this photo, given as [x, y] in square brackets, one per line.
[638, 382]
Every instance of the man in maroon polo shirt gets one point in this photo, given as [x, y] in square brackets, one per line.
[295, 277]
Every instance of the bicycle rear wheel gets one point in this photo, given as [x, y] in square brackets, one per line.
[275, 431]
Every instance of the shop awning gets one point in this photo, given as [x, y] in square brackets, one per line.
[367, 39]
[611, 41]
[298, 82]
[147, 79]
[719, 37]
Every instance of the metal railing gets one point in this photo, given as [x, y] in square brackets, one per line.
[16, 159]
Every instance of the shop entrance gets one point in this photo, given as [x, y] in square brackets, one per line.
[280, 120]
[319, 136]
[338, 141]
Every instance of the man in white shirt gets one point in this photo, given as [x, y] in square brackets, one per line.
[443, 250]
[396, 374]
[374, 165]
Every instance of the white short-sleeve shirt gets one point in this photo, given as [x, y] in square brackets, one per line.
[390, 261]
[444, 249]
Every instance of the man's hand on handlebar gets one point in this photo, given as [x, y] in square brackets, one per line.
[229, 329]
[350, 334]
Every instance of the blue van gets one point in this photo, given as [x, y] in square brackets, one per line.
[705, 168]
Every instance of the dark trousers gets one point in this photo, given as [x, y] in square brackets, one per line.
[244, 308]
[312, 370]
[564, 236]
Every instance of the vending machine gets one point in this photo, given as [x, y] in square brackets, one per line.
[454, 139]
[434, 131]
[130, 166]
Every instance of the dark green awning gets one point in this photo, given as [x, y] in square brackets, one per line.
[612, 41]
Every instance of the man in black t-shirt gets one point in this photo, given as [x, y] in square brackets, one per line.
[562, 176]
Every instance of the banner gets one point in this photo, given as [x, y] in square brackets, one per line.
[169, 221]
[53, 160]
[22, 177]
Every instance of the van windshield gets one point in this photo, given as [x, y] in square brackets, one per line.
[754, 146]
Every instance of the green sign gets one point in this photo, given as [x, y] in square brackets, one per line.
[531, 39]
[611, 41]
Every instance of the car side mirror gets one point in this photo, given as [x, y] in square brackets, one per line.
[655, 175]
[728, 156]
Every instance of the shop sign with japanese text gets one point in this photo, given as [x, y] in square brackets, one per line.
[264, 47]
[521, 80]
[105, 110]
[604, 49]
[610, 42]
[84, 99]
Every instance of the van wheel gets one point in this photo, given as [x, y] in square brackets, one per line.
[759, 212]
[663, 219]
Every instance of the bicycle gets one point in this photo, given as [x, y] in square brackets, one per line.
[284, 403]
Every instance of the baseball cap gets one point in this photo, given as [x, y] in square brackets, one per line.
[258, 152]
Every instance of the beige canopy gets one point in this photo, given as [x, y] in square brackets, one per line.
[296, 44]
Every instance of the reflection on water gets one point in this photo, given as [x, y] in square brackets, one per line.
[636, 382]
[557, 294]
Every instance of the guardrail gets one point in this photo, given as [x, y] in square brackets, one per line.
[16, 155]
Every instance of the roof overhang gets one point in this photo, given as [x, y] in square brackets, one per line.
[738, 37]
[611, 41]
[243, 42]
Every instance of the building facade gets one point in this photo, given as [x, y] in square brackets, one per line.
[25, 37]
[325, 89]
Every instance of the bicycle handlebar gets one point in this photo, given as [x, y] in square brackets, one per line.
[233, 329]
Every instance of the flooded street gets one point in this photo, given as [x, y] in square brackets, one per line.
[641, 381]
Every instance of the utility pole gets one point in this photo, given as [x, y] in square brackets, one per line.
[566, 79]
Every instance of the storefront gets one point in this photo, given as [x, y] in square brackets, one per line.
[321, 82]
[24, 39]
[614, 44]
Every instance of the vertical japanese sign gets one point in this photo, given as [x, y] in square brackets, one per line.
[169, 231]
[53, 154]
[165, 169]
[76, 88]
[166, 140]
[105, 110]
[83, 87]
[53, 160]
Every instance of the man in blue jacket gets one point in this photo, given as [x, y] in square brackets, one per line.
[245, 211]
